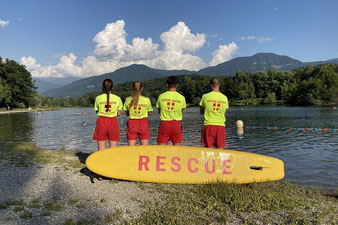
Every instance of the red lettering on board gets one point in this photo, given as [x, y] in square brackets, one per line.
[225, 166]
[206, 164]
[189, 165]
[159, 163]
[143, 160]
[178, 166]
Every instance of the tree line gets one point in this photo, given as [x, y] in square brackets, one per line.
[302, 86]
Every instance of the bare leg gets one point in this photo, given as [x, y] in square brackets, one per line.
[131, 142]
[177, 144]
[101, 145]
[112, 144]
[144, 142]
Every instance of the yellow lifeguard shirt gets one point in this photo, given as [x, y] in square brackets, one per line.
[171, 105]
[140, 110]
[215, 104]
[115, 104]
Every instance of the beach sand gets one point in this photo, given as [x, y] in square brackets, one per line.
[49, 194]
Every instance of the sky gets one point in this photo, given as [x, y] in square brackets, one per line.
[81, 38]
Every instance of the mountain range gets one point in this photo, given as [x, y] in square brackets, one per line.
[251, 64]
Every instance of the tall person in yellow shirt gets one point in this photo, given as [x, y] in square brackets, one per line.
[138, 108]
[107, 107]
[170, 105]
[213, 106]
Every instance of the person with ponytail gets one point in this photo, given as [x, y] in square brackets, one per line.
[107, 107]
[138, 108]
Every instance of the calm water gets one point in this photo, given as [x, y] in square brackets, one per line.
[310, 157]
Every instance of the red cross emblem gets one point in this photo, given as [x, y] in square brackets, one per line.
[216, 107]
[170, 105]
[108, 106]
[137, 109]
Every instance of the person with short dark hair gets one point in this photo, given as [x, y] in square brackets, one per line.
[170, 105]
[213, 106]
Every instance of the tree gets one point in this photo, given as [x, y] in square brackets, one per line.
[18, 83]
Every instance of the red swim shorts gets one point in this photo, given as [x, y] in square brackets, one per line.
[213, 135]
[138, 128]
[107, 128]
[170, 130]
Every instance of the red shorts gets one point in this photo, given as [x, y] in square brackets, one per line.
[213, 135]
[107, 128]
[170, 130]
[138, 128]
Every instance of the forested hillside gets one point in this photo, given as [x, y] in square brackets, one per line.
[303, 86]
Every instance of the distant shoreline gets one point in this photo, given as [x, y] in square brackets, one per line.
[12, 111]
[26, 110]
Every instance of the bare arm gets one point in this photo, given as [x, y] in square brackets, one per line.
[127, 113]
[149, 113]
[202, 110]
[118, 112]
[159, 110]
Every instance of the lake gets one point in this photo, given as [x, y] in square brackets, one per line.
[310, 153]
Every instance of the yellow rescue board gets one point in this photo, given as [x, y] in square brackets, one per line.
[183, 164]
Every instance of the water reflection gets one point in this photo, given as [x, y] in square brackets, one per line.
[16, 127]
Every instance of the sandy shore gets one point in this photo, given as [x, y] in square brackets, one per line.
[11, 111]
[49, 194]
[54, 187]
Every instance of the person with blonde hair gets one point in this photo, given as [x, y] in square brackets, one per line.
[138, 107]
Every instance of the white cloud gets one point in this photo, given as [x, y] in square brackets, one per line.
[223, 53]
[4, 23]
[30, 63]
[264, 39]
[113, 52]
[249, 37]
[179, 39]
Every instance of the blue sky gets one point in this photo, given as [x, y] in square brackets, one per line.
[84, 38]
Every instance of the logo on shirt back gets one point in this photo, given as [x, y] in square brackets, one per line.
[137, 109]
[216, 107]
[170, 105]
[109, 107]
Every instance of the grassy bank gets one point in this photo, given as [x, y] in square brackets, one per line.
[219, 203]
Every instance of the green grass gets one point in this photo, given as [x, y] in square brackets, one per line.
[281, 203]
[218, 203]
[27, 154]
[54, 206]
[114, 217]
[35, 204]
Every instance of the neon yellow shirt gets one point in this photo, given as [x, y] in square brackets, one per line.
[171, 105]
[215, 104]
[140, 110]
[115, 104]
